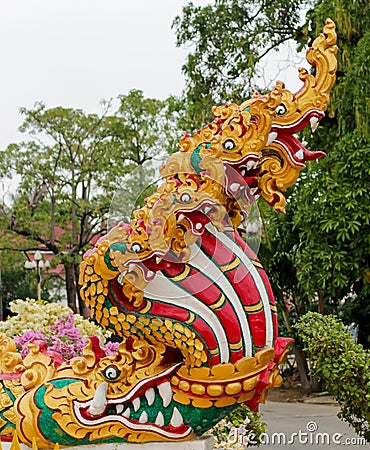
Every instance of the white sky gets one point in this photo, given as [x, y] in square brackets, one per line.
[74, 53]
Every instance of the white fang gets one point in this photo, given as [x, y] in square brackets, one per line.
[300, 155]
[99, 402]
[272, 136]
[176, 419]
[165, 392]
[136, 403]
[159, 421]
[150, 396]
[314, 122]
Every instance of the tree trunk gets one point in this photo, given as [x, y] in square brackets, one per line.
[309, 384]
[320, 306]
[302, 367]
[71, 287]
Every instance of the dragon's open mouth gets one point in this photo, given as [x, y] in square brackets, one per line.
[147, 407]
[241, 179]
[285, 136]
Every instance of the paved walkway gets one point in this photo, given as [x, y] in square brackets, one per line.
[300, 426]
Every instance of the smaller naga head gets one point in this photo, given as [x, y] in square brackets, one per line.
[135, 395]
[285, 156]
[98, 398]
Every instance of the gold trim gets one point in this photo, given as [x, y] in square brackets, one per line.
[236, 346]
[257, 264]
[219, 302]
[147, 307]
[190, 319]
[183, 274]
[254, 308]
[231, 265]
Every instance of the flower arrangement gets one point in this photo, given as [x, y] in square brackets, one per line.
[240, 429]
[53, 326]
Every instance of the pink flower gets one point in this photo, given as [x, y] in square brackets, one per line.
[62, 341]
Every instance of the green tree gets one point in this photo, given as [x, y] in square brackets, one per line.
[71, 166]
[144, 132]
[62, 165]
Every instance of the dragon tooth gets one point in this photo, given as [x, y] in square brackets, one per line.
[127, 413]
[158, 259]
[176, 419]
[99, 402]
[251, 164]
[120, 277]
[159, 421]
[300, 155]
[150, 396]
[150, 273]
[243, 171]
[234, 187]
[131, 267]
[165, 392]
[271, 137]
[198, 226]
[136, 403]
[180, 217]
[143, 417]
[314, 122]
[119, 409]
[207, 209]
[253, 190]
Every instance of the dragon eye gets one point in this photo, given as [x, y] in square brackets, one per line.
[111, 373]
[185, 198]
[281, 110]
[136, 247]
[229, 144]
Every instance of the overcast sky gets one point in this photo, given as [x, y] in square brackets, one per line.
[74, 53]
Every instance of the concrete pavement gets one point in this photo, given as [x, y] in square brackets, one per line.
[300, 426]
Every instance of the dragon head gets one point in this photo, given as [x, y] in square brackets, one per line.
[99, 398]
[285, 156]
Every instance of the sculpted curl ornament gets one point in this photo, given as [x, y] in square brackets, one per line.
[181, 287]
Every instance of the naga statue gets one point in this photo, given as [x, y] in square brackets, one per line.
[179, 284]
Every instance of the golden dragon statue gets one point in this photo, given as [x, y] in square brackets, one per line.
[182, 288]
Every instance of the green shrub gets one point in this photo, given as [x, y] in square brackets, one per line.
[341, 365]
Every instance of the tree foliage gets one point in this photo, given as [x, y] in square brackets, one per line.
[56, 205]
[227, 39]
